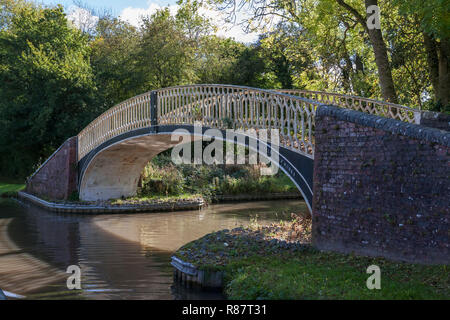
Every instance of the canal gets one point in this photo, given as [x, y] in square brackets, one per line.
[121, 256]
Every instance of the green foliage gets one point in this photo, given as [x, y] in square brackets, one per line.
[113, 62]
[162, 177]
[218, 60]
[74, 196]
[47, 85]
[55, 79]
[162, 180]
[433, 14]
[165, 55]
[439, 107]
[7, 189]
[336, 53]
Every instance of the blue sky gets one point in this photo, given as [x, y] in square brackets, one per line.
[116, 6]
[132, 10]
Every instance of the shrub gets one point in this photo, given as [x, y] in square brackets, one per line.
[161, 176]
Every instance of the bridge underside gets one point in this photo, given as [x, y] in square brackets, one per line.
[115, 171]
[112, 170]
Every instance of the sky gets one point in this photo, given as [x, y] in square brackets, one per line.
[131, 10]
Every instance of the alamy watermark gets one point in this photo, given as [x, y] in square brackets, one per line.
[373, 21]
[374, 281]
[74, 281]
[263, 142]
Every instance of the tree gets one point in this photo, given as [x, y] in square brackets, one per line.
[298, 10]
[434, 25]
[338, 35]
[217, 59]
[113, 61]
[165, 57]
[379, 49]
[47, 85]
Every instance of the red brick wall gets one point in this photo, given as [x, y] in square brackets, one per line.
[57, 178]
[381, 187]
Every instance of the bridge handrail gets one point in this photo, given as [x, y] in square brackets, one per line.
[221, 106]
[239, 107]
[130, 114]
[395, 111]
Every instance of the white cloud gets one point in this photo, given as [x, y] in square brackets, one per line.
[229, 30]
[82, 18]
[133, 15]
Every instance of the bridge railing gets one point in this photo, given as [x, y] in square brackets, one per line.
[371, 106]
[242, 108]
[227, 106]
[130, 114]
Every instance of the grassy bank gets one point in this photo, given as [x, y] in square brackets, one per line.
[154, 198]
[10, 188]
[267, 263]
[7, 190]
[318, 275]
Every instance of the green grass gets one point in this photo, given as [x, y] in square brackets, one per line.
[10, 187]
[318, 275]
[155, 197]
[7, 190]
[256, 269]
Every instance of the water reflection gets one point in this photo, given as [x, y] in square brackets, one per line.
[122, 256]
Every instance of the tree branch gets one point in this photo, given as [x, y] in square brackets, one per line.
[355, 12]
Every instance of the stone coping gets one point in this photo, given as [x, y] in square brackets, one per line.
[95, 209]
[387, 124]
[177, 205]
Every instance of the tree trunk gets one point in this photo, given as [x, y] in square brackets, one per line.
[444, 66]
[382, 61]
[347, 72]
[379, 49]
[359, 64]
[433, 62]
[438, 56]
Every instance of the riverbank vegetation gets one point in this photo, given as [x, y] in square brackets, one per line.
[157, 200]
[161, 177]
[8, 189]
[277, 262]
[57, 72]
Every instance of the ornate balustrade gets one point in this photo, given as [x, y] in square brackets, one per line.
[130, 114]
[380, 108]
[241, 108]
[227, 106]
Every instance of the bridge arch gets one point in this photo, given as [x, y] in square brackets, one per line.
[112, 170]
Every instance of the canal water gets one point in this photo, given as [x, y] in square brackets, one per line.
[121, 256]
